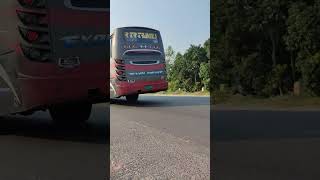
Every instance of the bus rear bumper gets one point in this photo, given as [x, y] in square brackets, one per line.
[126, 88]
[50, 91]
[45, 84]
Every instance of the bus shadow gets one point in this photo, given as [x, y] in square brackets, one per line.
[235, 125]
[41, 126]
[164, 101]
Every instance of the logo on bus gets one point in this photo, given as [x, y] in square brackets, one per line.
[145, 73]
[91, 40]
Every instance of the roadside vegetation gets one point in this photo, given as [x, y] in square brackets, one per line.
[262, 52]
[266, 52]
[285, 101]
[189, 72]
[183, 93]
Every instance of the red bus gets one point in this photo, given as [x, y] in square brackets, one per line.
[53, 55]
[137, 63]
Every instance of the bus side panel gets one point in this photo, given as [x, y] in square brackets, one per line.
[10, 96]
[46, 84]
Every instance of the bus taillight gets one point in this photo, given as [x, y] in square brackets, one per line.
[119, 61]
[34, 36]
[34, 30]
[35, 54]
[31, 18]
[120, 70]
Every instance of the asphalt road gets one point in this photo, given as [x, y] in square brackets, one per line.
[34, 148]
[163, 138]
[266, 144]
[160, 138]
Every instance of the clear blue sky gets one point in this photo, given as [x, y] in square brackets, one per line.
[181, 22]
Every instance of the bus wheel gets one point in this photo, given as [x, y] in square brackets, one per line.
[71, 113]
[132, 99]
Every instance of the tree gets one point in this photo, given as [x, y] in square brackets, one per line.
[311, 72]
[303, 41]
[269, 18]
[204, 74]
[170, 56]
[177, 73]
[195, 55]
[185, 71]
[248, 50]
[206, 46]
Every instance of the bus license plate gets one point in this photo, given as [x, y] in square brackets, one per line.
[69, 62]
[148, 88]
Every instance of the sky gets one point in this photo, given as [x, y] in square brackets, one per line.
[180, 22]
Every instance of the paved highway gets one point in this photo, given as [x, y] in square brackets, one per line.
[159, 138]
[33, 148]
[162, 137]
[266, 144]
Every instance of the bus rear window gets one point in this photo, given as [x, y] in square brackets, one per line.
[143, 53]
[141, 37]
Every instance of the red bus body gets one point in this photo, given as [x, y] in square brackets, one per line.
[60, 56]
[137, 66]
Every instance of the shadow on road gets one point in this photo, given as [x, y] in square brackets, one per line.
[164, 101]
[252, 125]
[41, 126]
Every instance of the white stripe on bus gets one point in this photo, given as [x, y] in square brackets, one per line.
[6, 78]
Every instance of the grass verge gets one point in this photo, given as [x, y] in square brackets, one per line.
[273, 102]
[182, 93]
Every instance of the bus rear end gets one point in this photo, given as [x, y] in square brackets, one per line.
[137, 62]
[61, 53]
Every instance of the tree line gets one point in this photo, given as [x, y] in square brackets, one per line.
[189, 71]
[263, 47]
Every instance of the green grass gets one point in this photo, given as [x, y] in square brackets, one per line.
[200, 93]
[224, 98]
[274, 102]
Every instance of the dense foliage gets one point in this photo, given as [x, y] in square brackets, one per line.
[190, 71]
[262, 47]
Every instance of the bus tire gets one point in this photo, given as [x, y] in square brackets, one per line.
[71, 113]
[132, 99]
